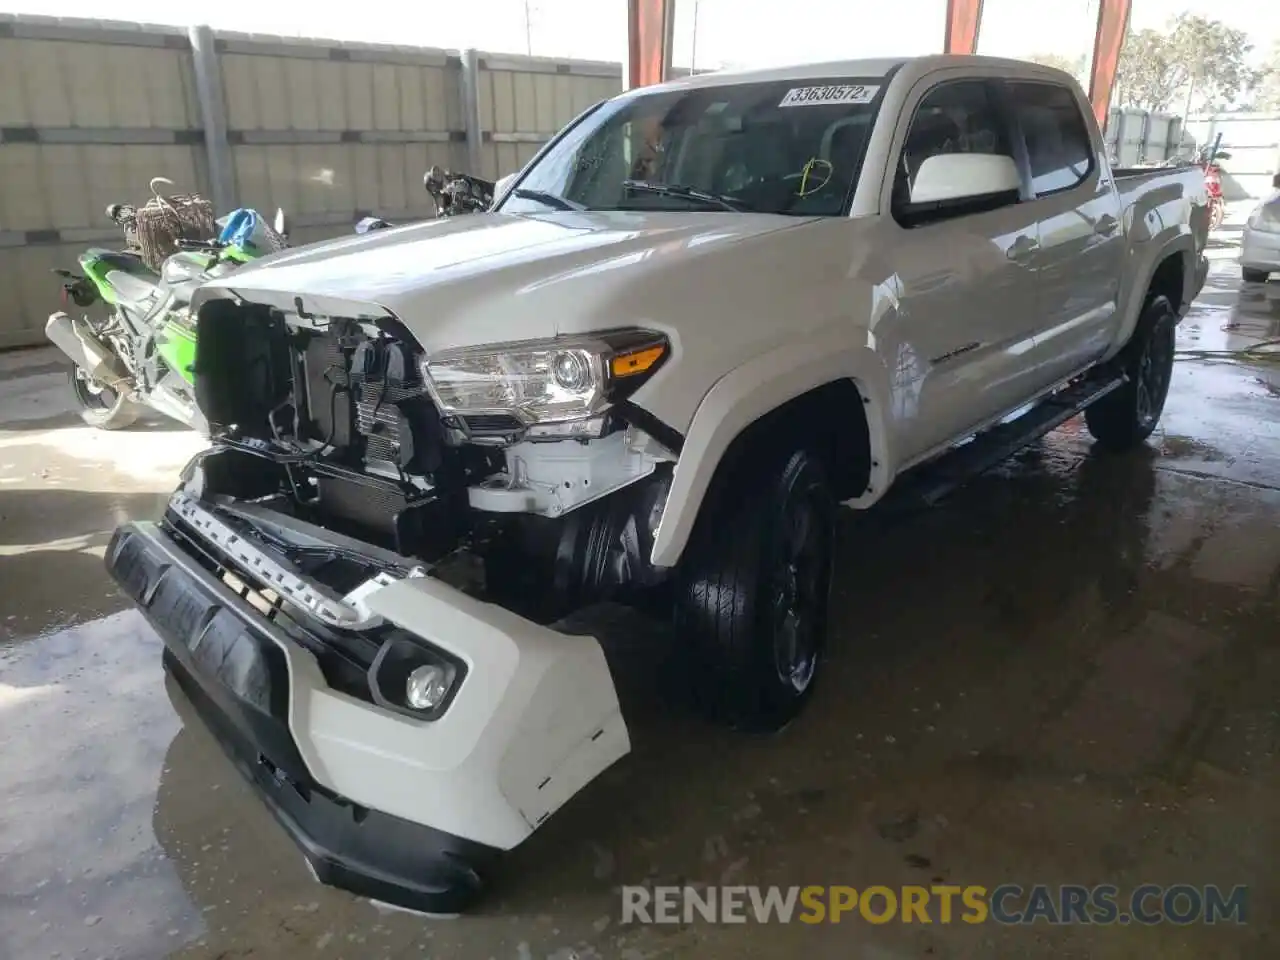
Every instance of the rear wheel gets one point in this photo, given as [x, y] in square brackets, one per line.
[753, 594]
[99, 405]
[1254, 276]
[1127, 416]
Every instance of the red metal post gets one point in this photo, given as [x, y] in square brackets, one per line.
[964, 19]
[1113, 23]
[649, 24]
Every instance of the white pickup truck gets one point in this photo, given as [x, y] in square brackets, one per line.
[704, 315]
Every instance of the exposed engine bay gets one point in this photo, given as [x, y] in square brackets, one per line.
[333, 422]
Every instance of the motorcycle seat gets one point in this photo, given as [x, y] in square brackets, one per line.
[119, 260]
[132, 288]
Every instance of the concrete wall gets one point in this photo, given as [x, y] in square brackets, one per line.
[90, 111]
[1253, 140]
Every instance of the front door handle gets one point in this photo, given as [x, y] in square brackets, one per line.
[1105, 225]
[1022, 249]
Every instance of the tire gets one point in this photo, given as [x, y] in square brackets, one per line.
[1217, 214]
[1127, 416]
[100, 406]
[753, 594]
[1254, 276]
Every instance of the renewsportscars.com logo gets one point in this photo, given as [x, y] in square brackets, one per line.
[1007, 904]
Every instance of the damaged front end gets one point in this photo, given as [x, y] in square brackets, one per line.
[358, 583]
[522, 462]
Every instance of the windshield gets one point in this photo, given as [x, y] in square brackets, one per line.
[789, 146]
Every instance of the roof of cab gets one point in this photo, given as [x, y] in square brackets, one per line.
[853, 69]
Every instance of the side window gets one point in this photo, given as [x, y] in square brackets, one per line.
[958, 117]
[1057, 139]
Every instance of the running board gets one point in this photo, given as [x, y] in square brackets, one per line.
[940, 477]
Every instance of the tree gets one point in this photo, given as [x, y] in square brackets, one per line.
[1076, 66]
[1197, 61]
[1146, 76]
[1266, 92]
[1211, 56]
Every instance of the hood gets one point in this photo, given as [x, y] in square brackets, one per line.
[482, 278]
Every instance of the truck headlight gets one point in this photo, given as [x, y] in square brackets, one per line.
[550, 388]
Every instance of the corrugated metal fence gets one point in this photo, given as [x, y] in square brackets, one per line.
[90, 111]
[1136, 137]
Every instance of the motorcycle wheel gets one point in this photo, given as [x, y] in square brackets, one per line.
[99, 405]
[1217, 213]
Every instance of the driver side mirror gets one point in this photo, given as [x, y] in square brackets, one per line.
[281, 223]
[954, 184]
[960, 176]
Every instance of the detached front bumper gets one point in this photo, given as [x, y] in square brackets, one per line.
[389, 807]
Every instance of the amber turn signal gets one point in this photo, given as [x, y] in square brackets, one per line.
[636, 361]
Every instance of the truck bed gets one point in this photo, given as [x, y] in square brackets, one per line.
[1127, 173]
[1174, 194]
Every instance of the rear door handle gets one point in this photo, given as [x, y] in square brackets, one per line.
[1105, 225]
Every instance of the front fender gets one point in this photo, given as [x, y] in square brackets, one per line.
[746, 394]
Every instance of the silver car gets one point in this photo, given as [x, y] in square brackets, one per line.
[1260, 250]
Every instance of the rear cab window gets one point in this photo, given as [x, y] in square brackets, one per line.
[1058, 146]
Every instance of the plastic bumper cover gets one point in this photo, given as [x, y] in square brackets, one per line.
[1260, 250]
[388, 807]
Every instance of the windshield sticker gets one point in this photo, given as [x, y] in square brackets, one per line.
[822, 96]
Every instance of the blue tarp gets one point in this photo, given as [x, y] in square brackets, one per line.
[241, 229]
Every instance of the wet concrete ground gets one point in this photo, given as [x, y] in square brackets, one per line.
[1067, 673]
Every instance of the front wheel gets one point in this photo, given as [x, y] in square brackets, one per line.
[753, 594]
[99, 405]
[1127, 416]
[1217, 214]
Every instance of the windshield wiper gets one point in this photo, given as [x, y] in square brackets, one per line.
[686, 193]
[550, 199]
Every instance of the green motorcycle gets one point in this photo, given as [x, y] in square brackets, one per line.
[142, 353]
